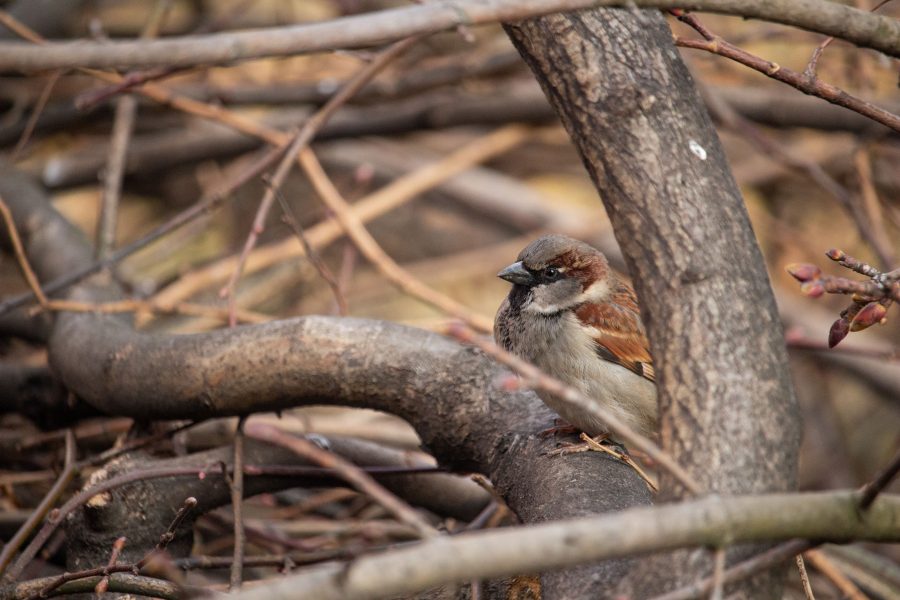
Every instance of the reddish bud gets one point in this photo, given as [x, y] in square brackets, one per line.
[803, 272]
[813, 289]
[835, 254]
[871, 314]
[839, 330]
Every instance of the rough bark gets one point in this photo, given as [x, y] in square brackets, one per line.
[728, 410]
[449, 393]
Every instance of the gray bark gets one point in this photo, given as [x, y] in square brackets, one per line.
[727, 405]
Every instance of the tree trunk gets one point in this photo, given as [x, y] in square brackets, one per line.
[728, 412]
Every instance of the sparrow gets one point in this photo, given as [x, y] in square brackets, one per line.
[573, 317]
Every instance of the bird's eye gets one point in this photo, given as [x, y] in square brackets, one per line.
[551, 273]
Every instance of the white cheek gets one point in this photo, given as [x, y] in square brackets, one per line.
[597, 291]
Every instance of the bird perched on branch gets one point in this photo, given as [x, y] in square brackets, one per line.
[570, 315]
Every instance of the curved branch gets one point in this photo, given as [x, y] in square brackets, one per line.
[447, 392]
[712, 521]
[830, 18]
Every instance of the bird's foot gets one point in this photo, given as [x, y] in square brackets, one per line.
[559, 427]
[602, 443]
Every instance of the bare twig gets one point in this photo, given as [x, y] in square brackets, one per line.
[369, 248]
[103, 585]
[870, 491]
[718, 576]
[859, 27]
[810, 71]
[237, 501]
[21, 258]
[756, 564]
[169, 534]
[804, 578]
[300, 141]
[313, 256]
[10, 548]
[123, 124]
[347, 471]
[156, 307]
[537, 379]
[813, 87]
[391, 196]
[824, 566]
[36, 113]
[879, 237]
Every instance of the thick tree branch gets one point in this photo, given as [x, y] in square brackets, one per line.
[861, 28]
[635, 116]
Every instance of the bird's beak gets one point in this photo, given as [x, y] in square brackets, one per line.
[516, 273]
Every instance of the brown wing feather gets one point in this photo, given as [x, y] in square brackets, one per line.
[619, 332]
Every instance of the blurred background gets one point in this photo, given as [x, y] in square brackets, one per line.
[460, 118]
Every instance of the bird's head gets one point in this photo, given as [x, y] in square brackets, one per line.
[556, 273]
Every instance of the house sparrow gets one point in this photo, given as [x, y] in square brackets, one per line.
[570, 315]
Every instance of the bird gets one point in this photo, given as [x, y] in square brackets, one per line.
[572, 316]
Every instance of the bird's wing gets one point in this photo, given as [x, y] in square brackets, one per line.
[618, 331]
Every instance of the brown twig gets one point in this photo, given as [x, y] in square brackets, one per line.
[169, 534]
[62, 482]
[355, 476]
[369, 248]
[123, 124]
[537, 379]
[827, 568]
[237, 501]
[876, 233]
[380, 202]
[36, 113]
[111, 568]
[300, 141]
[21, 258]
[870, 491]
[804, 578]
[206, 204]
[810, 71]
[313, 256]
[743, 570]
[156, 307]
[718, 575]
[103, 585]
[812, 86]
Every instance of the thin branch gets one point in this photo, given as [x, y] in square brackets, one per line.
[391, 196]
[718, 576]
[62, 482]
[711, 521]
[36, 113]
[103, 585]
[871, 490]
[813, 87]
[21, 258]
[804, 578]
[156, 307]
[369, 248]
[811, 67]
[237, 502]
[824, 566]
[743, 570]
[537, 379]
[859, 27]
[347, 471]
[313, 256]
[300, 141]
